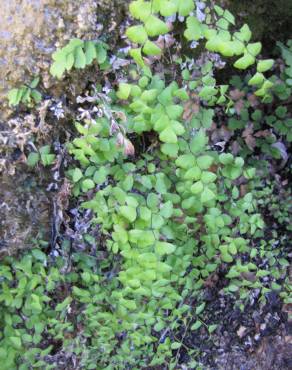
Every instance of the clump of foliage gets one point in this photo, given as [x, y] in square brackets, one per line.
[77, 54]
[170, 207]
[25, 94]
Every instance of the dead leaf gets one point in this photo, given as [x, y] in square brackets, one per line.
[248, 137]
[129, 148]
[236, 94]
[241, 332]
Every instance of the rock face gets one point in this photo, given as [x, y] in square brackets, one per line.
[30, 30]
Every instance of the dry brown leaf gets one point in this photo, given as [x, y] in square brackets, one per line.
[248, 137]
[236, 94]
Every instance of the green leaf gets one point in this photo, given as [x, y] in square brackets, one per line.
[57, 69]
[137, 34]
[244, 62]
[185, 7]
[163, 248]
[47, 159]
[257, 79]
[199, 142]
[200, 308]
[185, 161]
[254, 48]
[128, 212]
[207, 195]
[36, 95]
[155, 27]
[90, 53]
[87, 184]
[244, 34]
[80, 59]
[196, 325]
[100, 175]
[140, 9]
[229, 17]
[175, 345]
[168, 136]
[265, 65]
[151, 49]
[34, 83]
[204, 162]
[100, 53]
[194, 29]
[208, 177]
[168, 8]
[77, 175]
[124, 91]
[197, 187]
[218, 10]
[170, 149]
[16, 342]
[166, 210]
[137, 56]
[32, 159]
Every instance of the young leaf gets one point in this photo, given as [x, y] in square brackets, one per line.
[254, 48]
[185, 7]
[128, 212]
[194, 29]
[137, 56]
[265, 65]
[155, 27]
[168, 136]
[151, 49]
[163, 248]
[124, 91]
[137, 34]
[244, 62]
[90, 52]
[80, 59]
[77, 175]
[257, 79]
[207, 195]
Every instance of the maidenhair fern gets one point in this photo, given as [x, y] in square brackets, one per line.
[219, 38]
[78, 54]
[25, 94]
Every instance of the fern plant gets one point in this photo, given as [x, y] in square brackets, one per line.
[77, 54]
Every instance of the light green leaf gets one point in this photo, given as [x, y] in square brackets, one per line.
[151, 49]
[32, 159]
[200, 308]
[155, 27]
[207, 195]
[137, 34]
[163, 248]
[128, 212]
[204, 161]
[265, 65]
[254, 48]
[137, 56]
[124, 91]
[140, 9]
[185, 161]
[185, 7]
[168, 136]
[168, 8]
[90, 53]
[244, 62]
[197, 187]
[257, 79]
[77, 175]
[194, 29]
[80, 59]
[199, 142]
